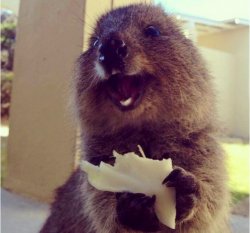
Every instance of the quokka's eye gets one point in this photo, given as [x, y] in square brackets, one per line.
[152, 31]
[95, 42]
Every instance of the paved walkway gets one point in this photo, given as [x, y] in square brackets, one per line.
[21, 215]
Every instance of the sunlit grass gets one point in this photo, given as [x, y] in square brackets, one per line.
[3, 158]
[238, 169]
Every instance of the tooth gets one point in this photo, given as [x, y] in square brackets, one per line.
[126, 102]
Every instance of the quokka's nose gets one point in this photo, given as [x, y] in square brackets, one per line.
[112, 54]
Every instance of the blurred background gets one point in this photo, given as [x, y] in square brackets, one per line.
[40, 40]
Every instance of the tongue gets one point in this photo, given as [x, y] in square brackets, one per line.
[123, 87]
[127, 88]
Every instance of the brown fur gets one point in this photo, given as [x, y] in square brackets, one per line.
[176, 119]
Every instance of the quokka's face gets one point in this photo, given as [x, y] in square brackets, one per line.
[138, 66]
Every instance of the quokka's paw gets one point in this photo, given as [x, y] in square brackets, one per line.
[136, 211]
[187, 192]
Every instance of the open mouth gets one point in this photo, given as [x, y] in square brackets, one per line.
[125, 91]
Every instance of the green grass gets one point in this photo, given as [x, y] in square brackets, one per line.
[7, 75]
[3, 158]
[238, 169]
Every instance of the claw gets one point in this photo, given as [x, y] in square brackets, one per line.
[187, 191]
[172, 176]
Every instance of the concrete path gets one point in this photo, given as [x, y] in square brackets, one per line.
[240, 224]
[21, 215]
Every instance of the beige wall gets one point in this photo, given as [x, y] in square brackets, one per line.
[235, 43]
[222, 67]
[41, 145]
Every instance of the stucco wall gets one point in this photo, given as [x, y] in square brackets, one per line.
[222, 67]
[235, 43]
[41, 144]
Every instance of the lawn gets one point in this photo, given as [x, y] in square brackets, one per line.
[238, 169]
[3, 157]
[237, 155]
